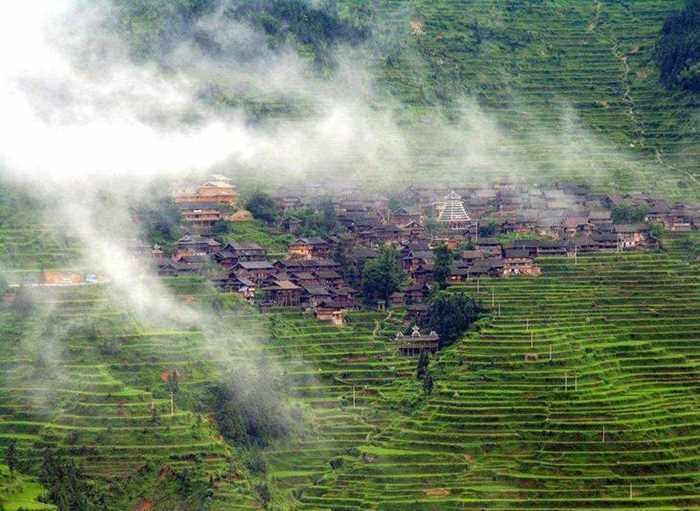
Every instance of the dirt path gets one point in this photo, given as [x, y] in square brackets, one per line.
[377, 324]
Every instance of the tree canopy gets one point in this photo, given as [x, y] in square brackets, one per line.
[678, 48]
[382, 276]
[450, 315]
[262, 207]
[442, 266]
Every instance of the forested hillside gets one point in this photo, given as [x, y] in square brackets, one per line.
[540, 87]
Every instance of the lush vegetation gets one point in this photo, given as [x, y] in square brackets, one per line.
[159, 219]
[678, 52]
[442, 265]
[249, 409]
[262, 207]
[382, 276]
[450, 315]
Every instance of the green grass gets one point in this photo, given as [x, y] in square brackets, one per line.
[256, 231]
[20, 492]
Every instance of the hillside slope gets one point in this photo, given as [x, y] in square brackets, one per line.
[527, 62]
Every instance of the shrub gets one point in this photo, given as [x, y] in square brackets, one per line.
[678, 48]
[262, 207]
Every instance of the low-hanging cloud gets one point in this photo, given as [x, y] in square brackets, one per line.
[75, 104]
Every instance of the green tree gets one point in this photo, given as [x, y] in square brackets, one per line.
[221, 227]
[12, 457]
[678, 48]
[159, 218]
[428, 384]
[328, 215]
[488, 229]
[422, 365]
[450, 314]
[382, 276]
[262, 207]
[173, 384]
[442, 266]
[624, 214]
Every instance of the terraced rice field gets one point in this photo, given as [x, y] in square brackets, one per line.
[580, 389]
[340, 374]
[566, 88]
[97, 394]
[582, 393]
[84, 377]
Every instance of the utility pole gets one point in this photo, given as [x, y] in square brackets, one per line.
[353, 396]
[532, 339]
[603, 433]
[499, 309]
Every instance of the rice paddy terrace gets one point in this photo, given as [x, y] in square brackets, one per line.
[571, 85]
[581, 393]
[580, 389]
[84, 377]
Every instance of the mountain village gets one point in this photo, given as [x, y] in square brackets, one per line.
[496, 231]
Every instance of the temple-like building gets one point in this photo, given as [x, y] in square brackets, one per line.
[417, 343]
[452, 213]
[211, 192]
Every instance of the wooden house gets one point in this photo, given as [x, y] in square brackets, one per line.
[531, 246]
[631, 235]
[469, 257]
[489, 246]
[344, 296]
[172, 268]
[492, 266]
[236, 251]
[308, 248]
[552, 248]
[607, 241]
[202, 219]
[519, 262]
[404, 216]
[195, 245]
[658, 212]
[397, 299]
[284, 293]
[599, 217]
[416, 312]
[417, 342]
[257, 271]
[573, 225]
[330, 311]
[416, 292]
[314, 295]
[213, 192]
[232, 283]
[329, 278]
[416, 259]
[679, 219]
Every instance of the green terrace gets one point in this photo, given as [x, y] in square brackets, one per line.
[581, 392]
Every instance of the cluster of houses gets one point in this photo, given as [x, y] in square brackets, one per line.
[307, 278]
[496, 231]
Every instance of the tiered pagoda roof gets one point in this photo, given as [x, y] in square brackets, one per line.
[454, 210]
